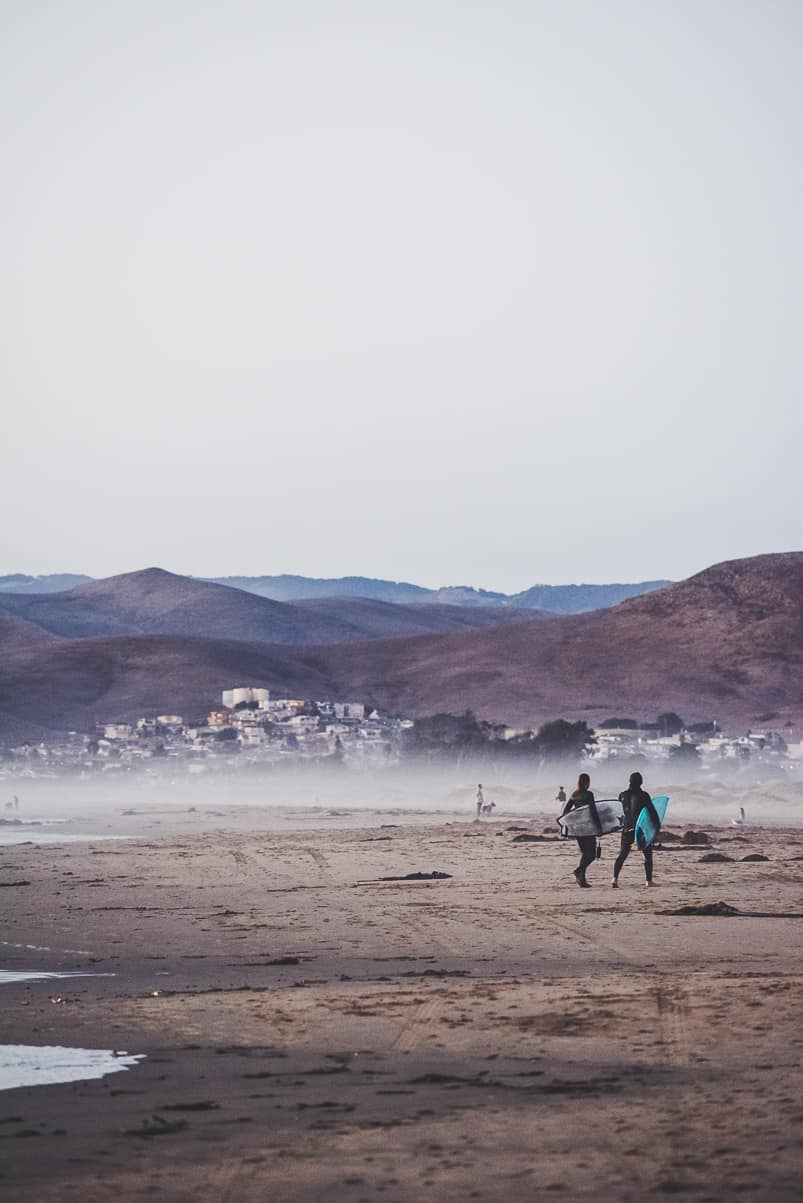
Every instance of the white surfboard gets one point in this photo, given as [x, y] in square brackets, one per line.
[578, 823]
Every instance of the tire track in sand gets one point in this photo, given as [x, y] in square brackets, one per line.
[683, 1101]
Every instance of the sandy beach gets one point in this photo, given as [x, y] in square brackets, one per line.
[315, 1030]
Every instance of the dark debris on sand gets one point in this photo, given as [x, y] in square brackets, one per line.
[156, 1127]
[435, 875]
[696, 837]
[708, 908]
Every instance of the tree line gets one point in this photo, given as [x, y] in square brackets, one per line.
[464, 736]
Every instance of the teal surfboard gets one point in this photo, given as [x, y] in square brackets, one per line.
[646, 831]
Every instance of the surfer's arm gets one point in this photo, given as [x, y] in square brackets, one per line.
[592, 806]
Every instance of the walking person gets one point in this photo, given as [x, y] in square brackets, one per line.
[480, 801]
[587, 844]
[634, 800]
[560, 796]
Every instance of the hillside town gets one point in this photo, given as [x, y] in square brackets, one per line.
[251, 729]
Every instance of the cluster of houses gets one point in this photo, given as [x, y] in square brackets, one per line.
[249, 724]
[709, 745]
[250, 727]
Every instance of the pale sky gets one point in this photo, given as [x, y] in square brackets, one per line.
[478, 292]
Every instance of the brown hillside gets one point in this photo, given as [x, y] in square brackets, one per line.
[75, 683]
[726, 644]
[19, 632]
[155, 602]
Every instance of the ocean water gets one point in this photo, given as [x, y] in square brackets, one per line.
[34, 835]
[9, 976]
[42, 1065]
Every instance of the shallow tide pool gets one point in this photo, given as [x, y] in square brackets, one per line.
[43, 1065]
[7, 976]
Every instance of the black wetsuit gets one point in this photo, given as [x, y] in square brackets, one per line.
[586, 843]
[634, 801]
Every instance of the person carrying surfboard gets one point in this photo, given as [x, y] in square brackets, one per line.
[587, 844]
[634, 800]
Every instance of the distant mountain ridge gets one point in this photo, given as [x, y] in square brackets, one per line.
[579, 599]
[288, 588]
[57, 582]
[554, 599]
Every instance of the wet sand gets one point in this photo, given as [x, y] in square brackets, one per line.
[315, 1033]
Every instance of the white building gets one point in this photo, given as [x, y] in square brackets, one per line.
[117, 731]
[244, 693]
[170, 720]
[218, 719]
[302, 722]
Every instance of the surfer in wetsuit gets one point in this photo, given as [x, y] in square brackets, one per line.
[583, 796]
[634, 800]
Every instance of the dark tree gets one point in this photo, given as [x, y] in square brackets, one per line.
[453, 736]
[669, 724]
[562, 740]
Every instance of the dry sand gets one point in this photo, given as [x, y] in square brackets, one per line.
[315, 1033]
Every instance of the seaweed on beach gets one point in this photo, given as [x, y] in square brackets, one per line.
[435, 875]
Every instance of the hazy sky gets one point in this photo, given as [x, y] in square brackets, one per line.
[472, 292]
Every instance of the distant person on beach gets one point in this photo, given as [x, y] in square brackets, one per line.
[634, 800]
[560, 796]
[587, 844]
[480, 801]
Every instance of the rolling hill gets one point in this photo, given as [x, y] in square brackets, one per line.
[377, 620]
[155, 602]
[75, 683]
[725, 644]
[18, 632]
